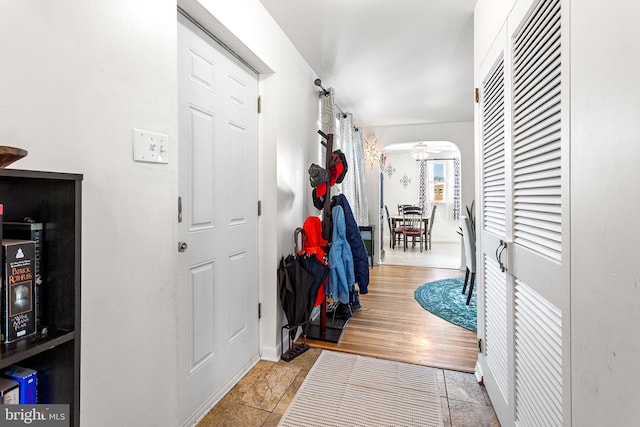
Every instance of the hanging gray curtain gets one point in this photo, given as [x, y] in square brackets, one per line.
[328, 112]
[354, 186]
[327, 118]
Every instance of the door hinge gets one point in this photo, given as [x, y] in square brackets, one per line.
[477, 95]
[480, 349]
[259, 207]
[259, 104]
[259, 310]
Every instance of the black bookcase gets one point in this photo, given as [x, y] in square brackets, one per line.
[53, 199]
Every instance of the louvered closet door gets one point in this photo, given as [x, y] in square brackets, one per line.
[493, 225]
[540, 255]
[523, 193]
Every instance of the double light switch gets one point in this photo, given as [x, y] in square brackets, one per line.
[150, 147]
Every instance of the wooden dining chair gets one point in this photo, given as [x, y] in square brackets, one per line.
[401, 208]
[427, 236]
[413, 225]
[394, 232]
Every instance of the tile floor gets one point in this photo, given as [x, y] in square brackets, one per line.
[263, 395]
[441, 255]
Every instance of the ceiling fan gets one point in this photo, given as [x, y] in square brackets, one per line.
[422, 150]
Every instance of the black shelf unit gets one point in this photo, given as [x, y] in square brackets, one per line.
[53, 199]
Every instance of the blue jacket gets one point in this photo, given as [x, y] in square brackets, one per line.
[358, 249]
[341, 277]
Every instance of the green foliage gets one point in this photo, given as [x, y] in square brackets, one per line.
[472, 219]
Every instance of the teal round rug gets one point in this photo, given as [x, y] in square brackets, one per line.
[445, 299]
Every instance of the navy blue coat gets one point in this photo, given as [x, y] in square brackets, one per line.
[358, 249]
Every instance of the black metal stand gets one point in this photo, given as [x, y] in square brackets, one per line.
[295, 350]
[332, 331]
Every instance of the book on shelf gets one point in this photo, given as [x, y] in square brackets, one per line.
[18, 276]
[9, 392]
[31, 230]
[27, 379]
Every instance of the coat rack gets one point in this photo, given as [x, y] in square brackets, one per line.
[326, 329]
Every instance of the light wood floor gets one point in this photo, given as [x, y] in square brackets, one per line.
[392, 325]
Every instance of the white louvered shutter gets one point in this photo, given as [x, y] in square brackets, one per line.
[538, 359]
[524, 198]
[496, 348]
[493, 184]
[494, 224]
[536, 132]
[537, 216]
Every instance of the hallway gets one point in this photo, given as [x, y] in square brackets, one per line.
[264, 394]
[391, 325]
[441, 255]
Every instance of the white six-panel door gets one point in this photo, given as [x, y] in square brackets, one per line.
[218, 185]
[523, 217]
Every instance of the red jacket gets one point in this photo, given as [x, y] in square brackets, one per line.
[313, 243]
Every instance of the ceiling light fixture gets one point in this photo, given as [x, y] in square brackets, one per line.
[371, 152]
[420, 151]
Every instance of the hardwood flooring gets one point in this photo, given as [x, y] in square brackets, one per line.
[392, 325]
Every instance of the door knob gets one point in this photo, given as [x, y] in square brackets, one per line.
[182, 246]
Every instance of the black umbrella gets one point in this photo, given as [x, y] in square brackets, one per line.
[299, 278]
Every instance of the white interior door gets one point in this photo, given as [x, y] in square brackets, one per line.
[493, 228]
[524, 199]
[219, 331]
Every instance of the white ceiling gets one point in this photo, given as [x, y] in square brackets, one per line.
[389, 62]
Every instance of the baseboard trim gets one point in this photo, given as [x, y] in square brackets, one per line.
[272, 354]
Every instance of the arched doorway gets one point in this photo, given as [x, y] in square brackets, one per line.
[425, 174]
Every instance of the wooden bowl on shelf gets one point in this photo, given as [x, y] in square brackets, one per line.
[9, 155]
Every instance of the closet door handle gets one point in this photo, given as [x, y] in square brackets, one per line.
[499, 250]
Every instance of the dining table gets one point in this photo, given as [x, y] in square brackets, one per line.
[396, 221]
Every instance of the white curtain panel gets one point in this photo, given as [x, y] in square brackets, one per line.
[345, 138]
[354, 186]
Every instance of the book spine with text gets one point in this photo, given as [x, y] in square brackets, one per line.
[30, 230]
[18, 312]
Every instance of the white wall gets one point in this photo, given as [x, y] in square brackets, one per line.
[490, 16]
[605, 199]
[445, 229]
[76, 78]
[460, 133]
[395, 192]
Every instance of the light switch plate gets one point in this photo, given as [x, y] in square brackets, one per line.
[150, 147]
